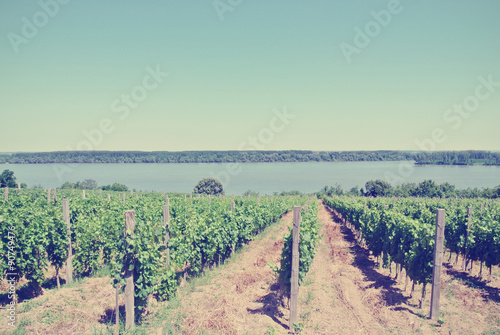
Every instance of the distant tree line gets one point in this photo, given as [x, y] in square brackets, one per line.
[62, 157]
[470, 157]
[427, 188]
[91, 184]
[201, 156]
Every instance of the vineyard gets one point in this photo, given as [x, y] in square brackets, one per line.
[403, 230]
[164, 242]
[172, 238]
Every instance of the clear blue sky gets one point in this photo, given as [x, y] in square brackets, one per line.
[232, 64]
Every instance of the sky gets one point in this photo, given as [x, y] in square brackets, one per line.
[254, 75]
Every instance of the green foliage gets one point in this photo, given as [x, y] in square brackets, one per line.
[427, 188]
[7, 179]
[87, 184]
[309, 239]
[404, 232]
[250, 193]
[117, 187]
[202, 231]
[209, 186]
[378, 188]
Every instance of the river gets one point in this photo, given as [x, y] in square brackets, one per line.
[264, 178]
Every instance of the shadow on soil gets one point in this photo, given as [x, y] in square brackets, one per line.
[110, 315]
[487, 292]
[272, 302]
[391, 295]
[26, 291]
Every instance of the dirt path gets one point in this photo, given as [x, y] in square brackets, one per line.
[239, 297]
[330, 300]
[345, 292]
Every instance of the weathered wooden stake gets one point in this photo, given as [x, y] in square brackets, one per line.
[48, 195]
[129, 276]
[109, 197]
[100, 194]
[117, 313]
[54, 195]
[466, 261]
[232, 205]
[6, 194]
[294, 290]
[438, 263]
[166, 222]
[69, 263]
[124, 198]
[258, 201]
[83, 194]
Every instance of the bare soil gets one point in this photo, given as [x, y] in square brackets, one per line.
[345, 292]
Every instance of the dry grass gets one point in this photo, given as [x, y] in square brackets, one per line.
[345, 292]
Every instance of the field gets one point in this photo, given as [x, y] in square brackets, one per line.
[225, 265]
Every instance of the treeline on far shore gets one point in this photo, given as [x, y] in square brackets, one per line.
[471, 157]
[425, 189]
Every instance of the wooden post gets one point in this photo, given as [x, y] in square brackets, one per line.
[54, 195]
[129, 276]
[191, 196]
[137, 197]
[438, 263]
[6, 194]
[306, 208]
[117, 314]
[131, 192]
[109, 197]
[232, 205]
[258, 201]
[124, 198]
[69, 263]
[166, 222]
[48, 195]
[100, 193]
[482, 207]
[83, 194]
[469, 213]
[294, 290]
